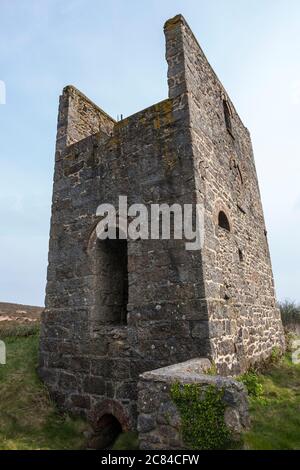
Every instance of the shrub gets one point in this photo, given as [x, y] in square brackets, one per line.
[252, 383]
[290, 312]
[276, 355]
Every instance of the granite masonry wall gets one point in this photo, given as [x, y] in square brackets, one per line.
[116, 309]
[244, 322]
[160, 421]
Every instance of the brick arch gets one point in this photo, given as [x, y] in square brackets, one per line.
[109, 407]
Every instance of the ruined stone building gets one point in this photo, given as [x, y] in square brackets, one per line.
[118, 308]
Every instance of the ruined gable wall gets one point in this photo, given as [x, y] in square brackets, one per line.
[79, 117]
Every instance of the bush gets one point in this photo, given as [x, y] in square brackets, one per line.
[290, 312]
[252, 383]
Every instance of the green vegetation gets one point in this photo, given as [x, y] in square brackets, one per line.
[274, 407]
[126, 441]
[18, 330]
[212, 370]
[252, 382]
[202, 416]
[290, 313]
[274, 396]
[28, 418]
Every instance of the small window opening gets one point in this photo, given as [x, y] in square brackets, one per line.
[227, 115]
[241, 256]
[223, 221]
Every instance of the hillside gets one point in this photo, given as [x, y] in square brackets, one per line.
[20, 313]
[18, 319]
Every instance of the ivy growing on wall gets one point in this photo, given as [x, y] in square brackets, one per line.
[202, 416]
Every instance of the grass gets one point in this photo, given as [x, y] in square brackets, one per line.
[28, 418]
[275, 412]
[18, 330]
[126, 441]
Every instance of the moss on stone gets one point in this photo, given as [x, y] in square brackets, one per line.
[202, 411]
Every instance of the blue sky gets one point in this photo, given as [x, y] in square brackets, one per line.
[114, 52]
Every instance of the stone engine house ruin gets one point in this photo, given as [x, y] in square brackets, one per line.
[118, 308]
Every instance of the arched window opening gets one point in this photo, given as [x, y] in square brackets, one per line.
[227, 115]
[223, 221]
[111, 281]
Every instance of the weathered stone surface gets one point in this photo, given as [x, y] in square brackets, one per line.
[114, 311]
[146, 423]
[159, 422]
[193, 367]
